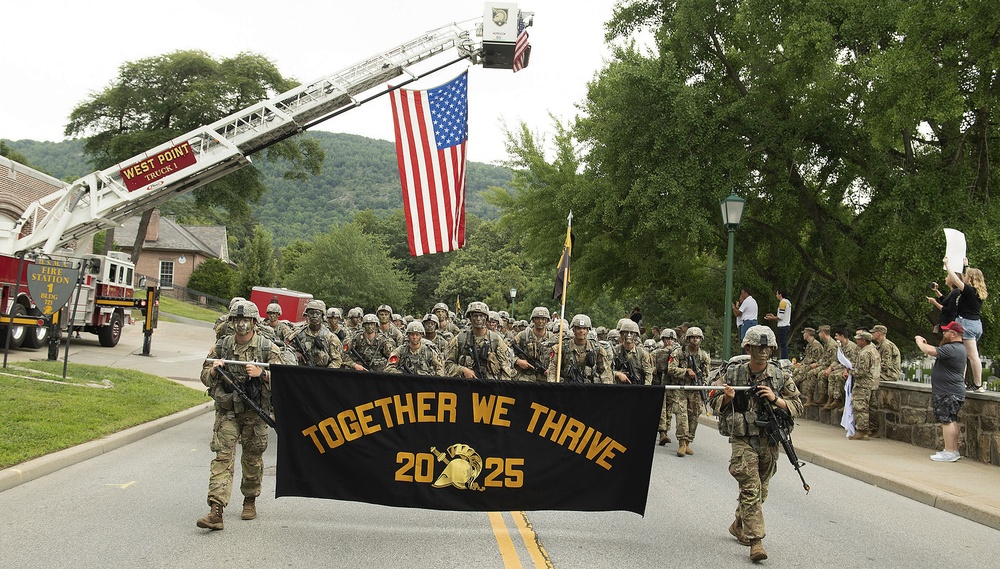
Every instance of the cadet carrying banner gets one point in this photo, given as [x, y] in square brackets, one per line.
[453, 444]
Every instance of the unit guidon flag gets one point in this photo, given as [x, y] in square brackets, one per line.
[452, 444]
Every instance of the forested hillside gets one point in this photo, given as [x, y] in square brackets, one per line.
[359, 173]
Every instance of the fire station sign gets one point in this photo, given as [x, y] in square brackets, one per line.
[50, 284]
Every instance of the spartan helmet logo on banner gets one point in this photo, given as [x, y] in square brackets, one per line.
[462, 468]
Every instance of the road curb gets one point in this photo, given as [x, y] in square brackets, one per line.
[966, 507]
[41, 466]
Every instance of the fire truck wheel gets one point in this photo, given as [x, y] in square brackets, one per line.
[17, 333]
[36, 337]
[110, 334]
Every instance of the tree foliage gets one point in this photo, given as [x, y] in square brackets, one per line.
[213, 277]
[257, 266]
[159, 98]
[856, 131]
[346, 267]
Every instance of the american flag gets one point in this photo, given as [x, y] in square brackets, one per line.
[431, 134]
[521, 45]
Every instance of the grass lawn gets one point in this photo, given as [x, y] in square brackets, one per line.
[37, 418]
[186, 309]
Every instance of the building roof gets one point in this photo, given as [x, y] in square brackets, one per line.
[21, 185]
[209, 240]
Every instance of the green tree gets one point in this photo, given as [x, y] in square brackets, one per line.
[8, 152]
[290, 257]
[346, 267]
[213, 277]
[159, 98]
[257, 267]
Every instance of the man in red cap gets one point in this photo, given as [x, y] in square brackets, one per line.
[947, 386]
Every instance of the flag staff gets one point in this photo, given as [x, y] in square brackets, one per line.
[564, 273]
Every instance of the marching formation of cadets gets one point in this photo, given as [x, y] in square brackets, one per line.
[487, 344]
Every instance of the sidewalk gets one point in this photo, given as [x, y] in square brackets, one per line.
[966, 488]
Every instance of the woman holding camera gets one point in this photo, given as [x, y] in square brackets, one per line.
[972, 293]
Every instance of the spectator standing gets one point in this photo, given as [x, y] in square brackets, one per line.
[784, 320]
[745, 311]
[947, 385]
[972, 293]
[947, 304]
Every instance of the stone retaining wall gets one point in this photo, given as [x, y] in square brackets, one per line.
[904, 414]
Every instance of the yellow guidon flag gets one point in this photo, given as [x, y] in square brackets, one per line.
[562, 273]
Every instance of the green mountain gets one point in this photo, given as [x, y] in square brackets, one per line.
[359, 173]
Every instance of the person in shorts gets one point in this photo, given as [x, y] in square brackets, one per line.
[947, 385]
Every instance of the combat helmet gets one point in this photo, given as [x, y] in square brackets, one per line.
[759, 336]
[234, 301]
[628, 325]
[244, 309]
[693, 331]
[384, 307]
[273, 307]
[369, 319]
[355, 312]
[580, 321]
[414, 327]
[440, 306]
[477, 306]
[333, 312]
[432, 318]
[668, 333]
[493, 316]
[315, 304]
[540, 312]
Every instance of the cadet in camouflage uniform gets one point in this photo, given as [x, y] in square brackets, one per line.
[816, 379]
[478, 343]
[583, 360]
[688, 363]
[417, 356]
[354, 317]
[889, 354]
[661, 360]
[537, 343]
[813, 355]
[314, 344]
[222, 326]
[628, 354]
[838, 373]
[368, 350]
[386, 328]
[431, 334]
[333, 322]
[864, 389]
[445, 325]
[754, 456]
[236, 422]
[282, 329]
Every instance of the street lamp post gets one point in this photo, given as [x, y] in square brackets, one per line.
[732, 214]
[513, 295]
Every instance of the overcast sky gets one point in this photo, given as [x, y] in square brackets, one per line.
[55, 53]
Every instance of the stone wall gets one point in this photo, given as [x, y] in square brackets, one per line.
[904, 414]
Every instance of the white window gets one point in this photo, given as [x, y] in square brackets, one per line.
[166, 274]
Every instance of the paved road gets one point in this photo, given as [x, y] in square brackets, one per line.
[136, 506]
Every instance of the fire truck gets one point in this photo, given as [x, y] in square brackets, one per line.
[51, 227]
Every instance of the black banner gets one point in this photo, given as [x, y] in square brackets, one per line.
[453, 444]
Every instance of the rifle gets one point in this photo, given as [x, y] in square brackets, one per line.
[535, 364]
[231, 381]
[698, 377]
[624, 365]
[476, 357]
[297, 345]
[350, 349]
[776, 424]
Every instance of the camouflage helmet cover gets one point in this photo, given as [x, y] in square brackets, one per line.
[333, 312]
[494, 315]
[759, 336]
[440, 306]
[315, 304]
[273, 307]
[234, 301]
[244, 309]
[627, 325]
[414, 327]
[432, 318]
[369, 319]
[540, 312]
[581, 321]
[693, 331]
[477, 306]
[355, 312]
[668, 333]
[384, 307]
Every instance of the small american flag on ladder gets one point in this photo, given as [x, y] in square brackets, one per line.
[431, 135]
[521, 45]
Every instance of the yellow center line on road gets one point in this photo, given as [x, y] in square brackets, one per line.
[538, 554]
[504, 542]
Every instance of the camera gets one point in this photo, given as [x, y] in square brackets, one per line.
[932, 285]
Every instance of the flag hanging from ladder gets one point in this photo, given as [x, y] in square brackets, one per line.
[431, 135]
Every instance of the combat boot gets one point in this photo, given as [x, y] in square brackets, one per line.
[859, 436]
[681, 448]
[687, 448]
[664, 438]
[213, 520]
[737, 532]
[757, 552]
[249, 508]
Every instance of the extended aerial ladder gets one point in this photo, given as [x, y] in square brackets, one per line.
[104, 199]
